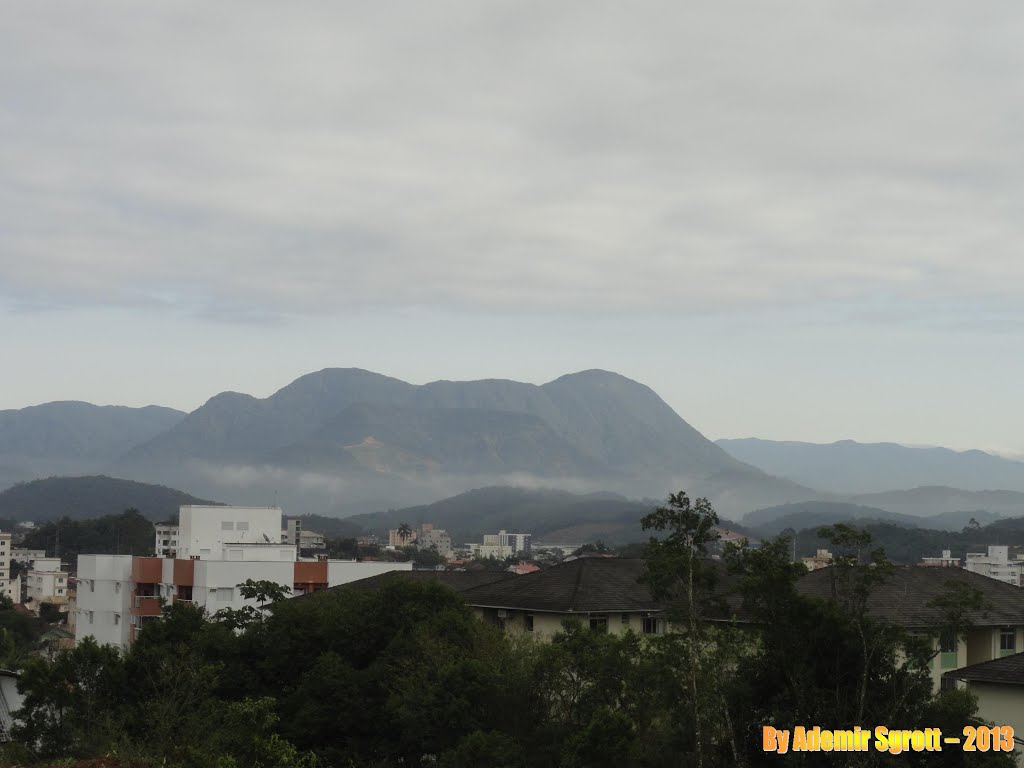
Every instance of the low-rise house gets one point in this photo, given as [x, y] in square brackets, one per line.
[602, 593]
[907, 598]
[607, 595]
[999, 686]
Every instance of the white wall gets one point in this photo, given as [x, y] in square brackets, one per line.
[214, 577]
[203, 530]
[256, 553]
[104, 599]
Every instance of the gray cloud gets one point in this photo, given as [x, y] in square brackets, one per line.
[249, 160]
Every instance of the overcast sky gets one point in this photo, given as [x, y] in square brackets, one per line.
[793, 221]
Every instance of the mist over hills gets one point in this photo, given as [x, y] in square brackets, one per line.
[340, 441]
[347, 441]
[848, 467]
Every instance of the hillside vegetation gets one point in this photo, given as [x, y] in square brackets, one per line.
[81, 498]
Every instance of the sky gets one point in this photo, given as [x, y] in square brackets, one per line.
[793, 221]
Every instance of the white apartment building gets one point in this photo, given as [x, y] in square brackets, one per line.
[218, 549]
[46, 582]
[10, 587]
[996, 564]
[25, 556]
[166, 544]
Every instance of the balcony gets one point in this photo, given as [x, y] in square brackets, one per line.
[147, 605]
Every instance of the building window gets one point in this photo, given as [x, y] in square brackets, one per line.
[528, 622]
[599, 623]
[242, 526]
[947, 684]
[227, 525]
[224, 594]
[90, 617]
[1008, 639]
[652, 625]
[117, 619]
[947, 642]
[624, 619]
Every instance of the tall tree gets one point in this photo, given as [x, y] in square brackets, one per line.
[678, 572]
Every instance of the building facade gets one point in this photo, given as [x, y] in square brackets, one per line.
[166, 544]
[46, 582]
[996, 564]
[10, 587]
[218, 549]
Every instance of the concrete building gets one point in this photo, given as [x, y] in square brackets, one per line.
[307, 540]
[25, 556]
[996, 564]
[8, 586]
[218, 549]
[166, 544]
[502, 545]
[395, 539]
[945, 561]
[46, 582]
[821, 559]
[435, 538]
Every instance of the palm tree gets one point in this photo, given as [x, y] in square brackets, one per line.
[404, 532]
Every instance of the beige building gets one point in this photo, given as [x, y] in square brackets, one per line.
[999, 687]
[907, 598]
[821, 559]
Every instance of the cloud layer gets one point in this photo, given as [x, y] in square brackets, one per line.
[260, 159]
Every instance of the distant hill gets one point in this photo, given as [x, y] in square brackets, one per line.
[934, 500]
[772, 520]
[551, 515]
[81, 498]
[340, 439]
[848, 467]
[75, 437]
[810, 514]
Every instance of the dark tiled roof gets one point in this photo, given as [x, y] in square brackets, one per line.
[586, 585]
[460, 581]
[1009, 669]
[903, 598]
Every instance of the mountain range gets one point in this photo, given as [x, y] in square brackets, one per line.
[848, 467]
[343, 441]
